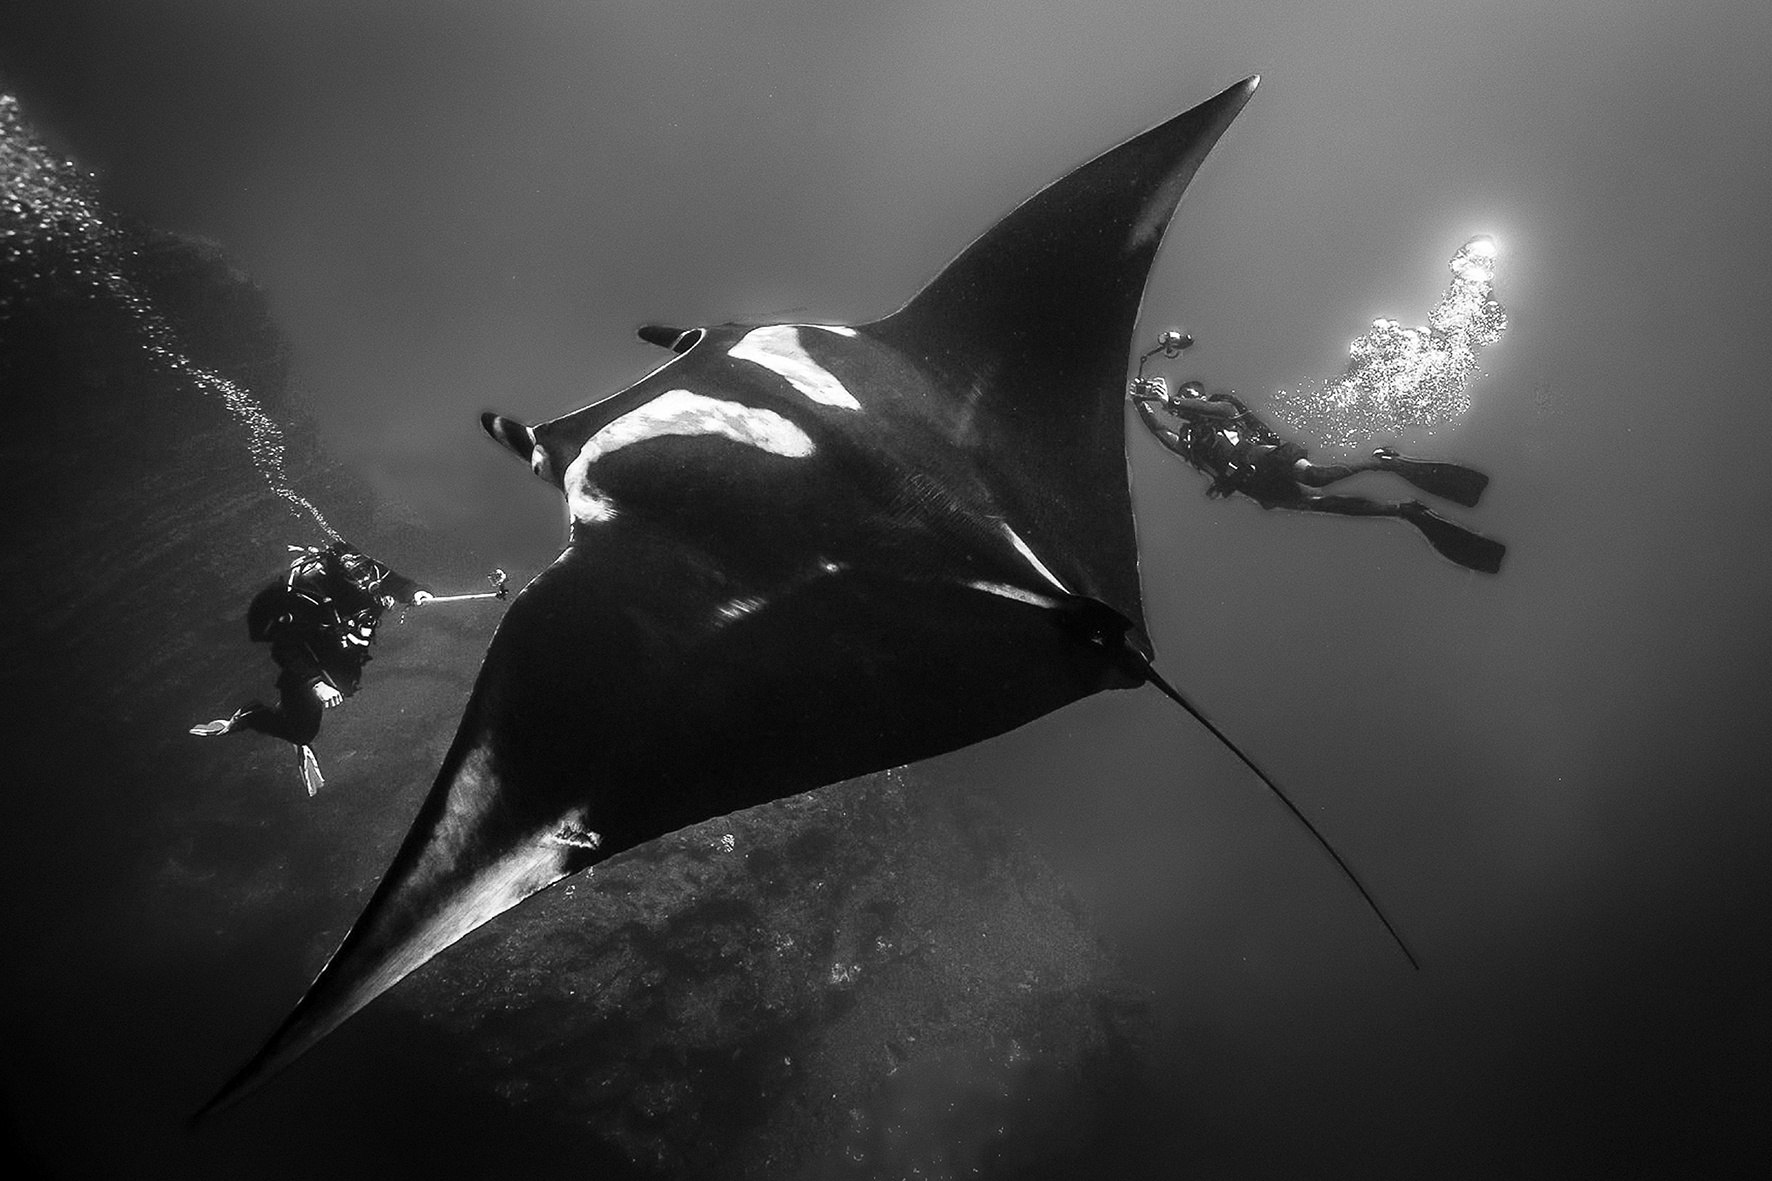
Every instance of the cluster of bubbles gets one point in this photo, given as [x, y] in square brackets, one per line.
[53, 231]
[1401, 378]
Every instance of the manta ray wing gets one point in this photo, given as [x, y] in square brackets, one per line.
[800, 553]
[1032, 324]
[641, 684]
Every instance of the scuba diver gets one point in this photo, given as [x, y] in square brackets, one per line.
[320, 620]
[1223, 438]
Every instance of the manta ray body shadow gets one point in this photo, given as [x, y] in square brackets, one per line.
[801, 553]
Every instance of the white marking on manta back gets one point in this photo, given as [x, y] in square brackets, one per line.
[585, 502]
[777, 348]
[1022, 547]
[684, 412]
[681, 413]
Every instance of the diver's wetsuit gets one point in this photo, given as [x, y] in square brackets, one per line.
[1223, 438]
[320, 621]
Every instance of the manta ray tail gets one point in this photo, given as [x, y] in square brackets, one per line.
[1174, 695]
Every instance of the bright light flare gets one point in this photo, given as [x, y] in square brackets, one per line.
[1475, 260]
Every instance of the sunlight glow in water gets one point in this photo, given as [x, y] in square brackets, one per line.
[1399, 378]
[47, 201]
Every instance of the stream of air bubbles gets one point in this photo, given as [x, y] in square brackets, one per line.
[48, 199]
[1398, 378]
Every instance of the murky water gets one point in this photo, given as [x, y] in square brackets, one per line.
[1549, 776]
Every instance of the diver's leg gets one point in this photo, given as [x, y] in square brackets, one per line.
[1470, 550]
[294, 719]
[1316, 475]
[1347, 506]
[303, 710]
[1457, 483]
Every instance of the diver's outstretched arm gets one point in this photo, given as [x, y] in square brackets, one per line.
[1162, 431]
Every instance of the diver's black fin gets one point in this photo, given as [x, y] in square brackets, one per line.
[1174, 695]
[1451, 481]
[1470, 550]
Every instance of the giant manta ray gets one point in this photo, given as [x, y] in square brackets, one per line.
[801, 553]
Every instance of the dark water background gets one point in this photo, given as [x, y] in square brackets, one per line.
[1549, 777]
